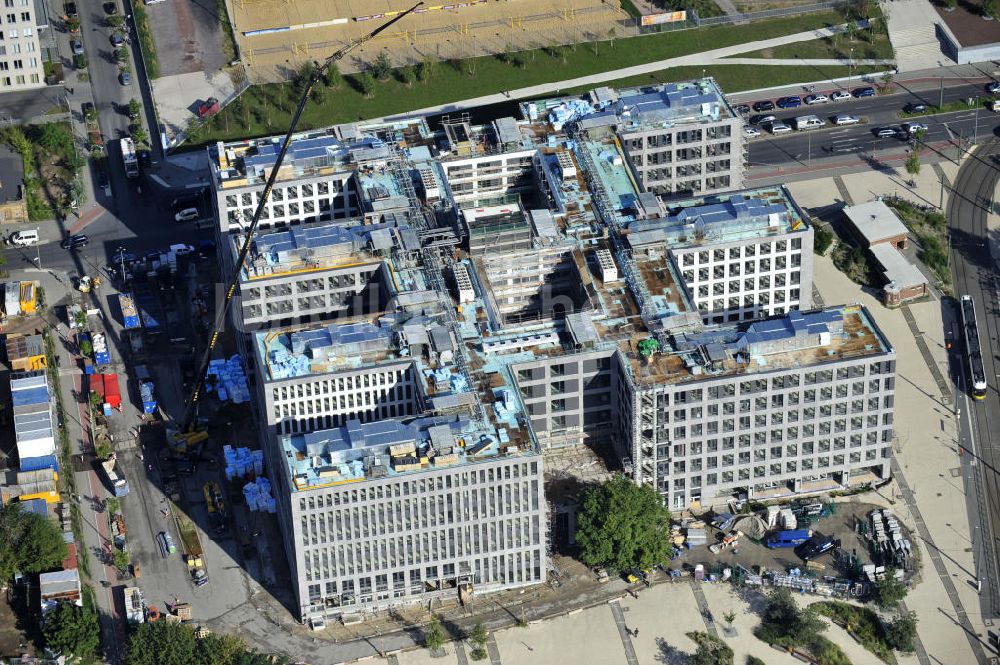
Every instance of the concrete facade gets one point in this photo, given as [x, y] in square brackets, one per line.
[20, 57]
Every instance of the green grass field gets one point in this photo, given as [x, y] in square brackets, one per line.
[267, 109]
[828, 47]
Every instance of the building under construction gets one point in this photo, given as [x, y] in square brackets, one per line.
[415, 357]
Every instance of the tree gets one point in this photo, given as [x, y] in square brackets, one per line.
[729, 617]
[382, 66]
[73, 630]
[426, 68]
[711, 650]
[612, 33]
[622, 525]
[991, 9]
[302, 76]
[332, 75]
[950, 5]
[140, 135]
[754, 660]
[901, 631]
[889, 591]
[29, 542]
[886, 86]
[113, 505]
[913, 163]
[478, 639]
[782, 618]
[161, 643]
[122, 559]
[367, 83]
[408, 75]
[116, 21]
[433, 635]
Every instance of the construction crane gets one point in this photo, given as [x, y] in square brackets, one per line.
[188, 435]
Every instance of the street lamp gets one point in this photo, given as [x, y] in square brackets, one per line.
[121, 258]
[38, 249]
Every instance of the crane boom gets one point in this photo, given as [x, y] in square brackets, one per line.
[223, 310]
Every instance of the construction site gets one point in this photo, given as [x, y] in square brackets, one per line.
[275, 37]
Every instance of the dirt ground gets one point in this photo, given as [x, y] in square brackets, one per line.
[275, 36]
[14, 640]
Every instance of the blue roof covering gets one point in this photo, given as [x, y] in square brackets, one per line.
[737, 207]
[274, 245]
[795, 323]
[337, 335]
[35, 506]
[30, 396]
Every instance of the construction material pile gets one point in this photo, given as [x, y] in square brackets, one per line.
[242, 462]
[258, 496]
[230, 382]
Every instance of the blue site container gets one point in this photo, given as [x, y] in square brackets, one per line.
[36, 463]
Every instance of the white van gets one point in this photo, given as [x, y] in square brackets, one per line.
[24, 238]
[807, 122]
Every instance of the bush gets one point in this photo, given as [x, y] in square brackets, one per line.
[381, 68]
[901, 632]
[366, 83]
[711, 650]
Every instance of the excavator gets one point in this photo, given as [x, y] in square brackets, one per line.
[187, 437]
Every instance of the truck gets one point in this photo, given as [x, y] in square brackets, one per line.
[116, 479]
[130, 316]
[135, 606]
[193, 552]
[788, 538]
[129, 159]
[216, 506]
[101, 354]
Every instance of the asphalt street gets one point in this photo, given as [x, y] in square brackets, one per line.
[810, 146]
[975, 275]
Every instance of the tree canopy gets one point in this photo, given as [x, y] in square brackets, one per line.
[29, 542]
[782, 621]
[889, 591]
[73, 630]
[164, 643]
[711, 650]
[622, 525]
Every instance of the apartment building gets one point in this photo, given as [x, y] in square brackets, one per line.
[679, 138]
[312, 273]
[21, 66]
[385, 512]
[480, 165]
[742, 256]
[317, 180]
[797, 404]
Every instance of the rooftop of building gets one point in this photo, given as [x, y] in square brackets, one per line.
[367, 451]
[718, 219]
[795, 340]
[695, 102]
[11, 175]
[324, 246]
[875, 221]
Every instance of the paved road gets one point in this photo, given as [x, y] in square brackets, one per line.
[833, 142]
[975, 275]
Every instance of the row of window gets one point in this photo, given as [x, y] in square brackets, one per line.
[736, 253]
[778, 403]
[20, 79]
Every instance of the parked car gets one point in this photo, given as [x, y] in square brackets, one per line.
[186, 215]
[816, 546]
[790, 102]
[778, 127]
[763, 105]
[993, 87]
[74, 242]
[71, 11]
[104, 183]
[867, 91]
[125, 78]
[846, 119]
[182, 249]
[110, 8]
[167, 545]
[887, 131]
[742, 109]
[816, 99]
[77, 46]
[24, 238]
[915, 107]
[751, 131]
[117, 40]
[840, 95]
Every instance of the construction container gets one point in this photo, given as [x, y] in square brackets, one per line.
[106, 385]
[130, 316]
[38, 463]
[28, 298]
[12, 299]
[101, 354]
[148, 397]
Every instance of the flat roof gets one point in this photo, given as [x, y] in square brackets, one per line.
[798, 339]
[722, 218]
[360, 451]
[875, 221]
[899, 273]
